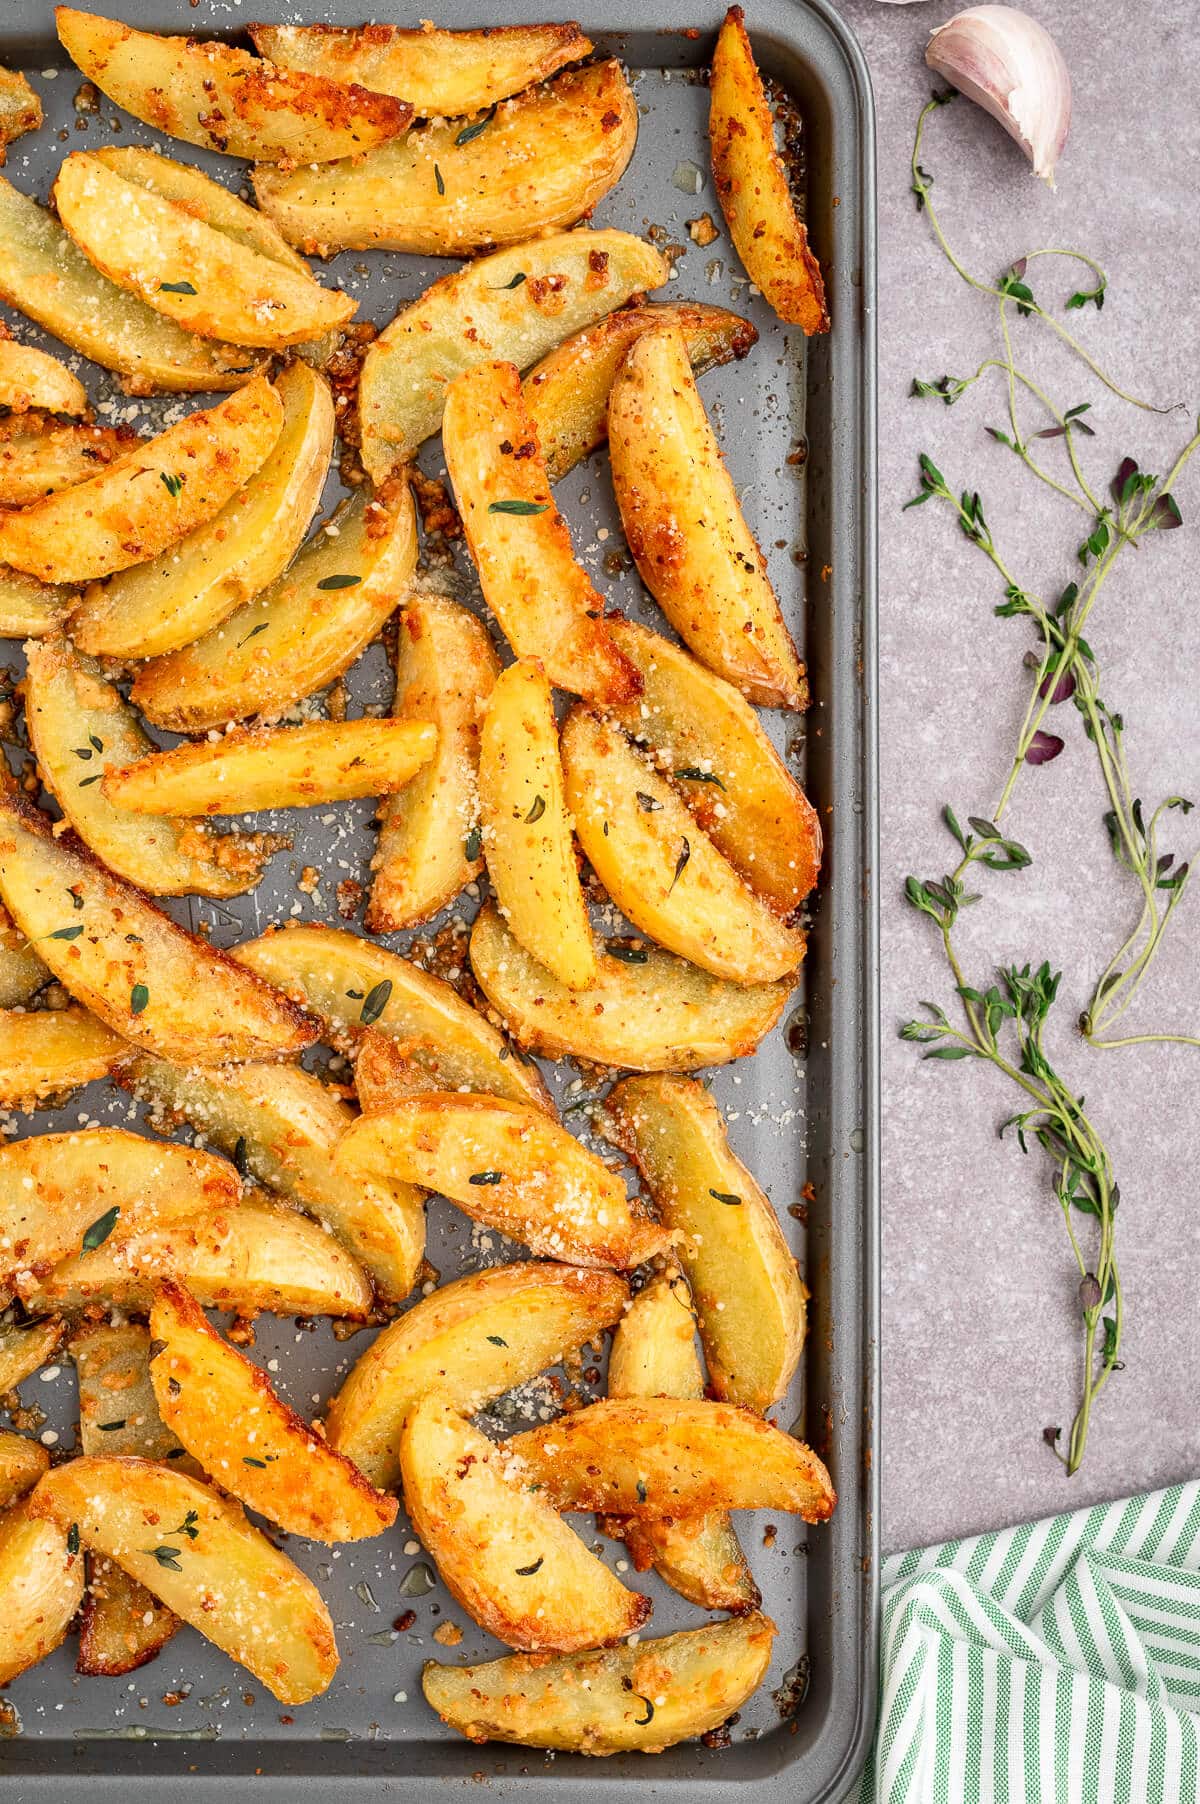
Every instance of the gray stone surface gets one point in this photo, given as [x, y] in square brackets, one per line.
[981, 1346]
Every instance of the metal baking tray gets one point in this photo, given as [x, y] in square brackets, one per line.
[805, 1120]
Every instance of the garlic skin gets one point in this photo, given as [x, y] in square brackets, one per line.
[1008, 63]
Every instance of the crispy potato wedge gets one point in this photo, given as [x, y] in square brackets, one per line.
[122, 1625]
[22, 1463]
[301, 633]
[685, 527]
[38, 457]
[202, 198]
[544, 161]
[81, 728]
[43, 274]
[32, 380]
[118, 1411]
[336, 975]
[659, 867]
[567, 393]
[442, 74]
[516, 305]
[146, 978]
[24, 1347]
[509, 1165]
[196, 1551]
[546, 603]
[274, 1462]
[194, 585]
[21, 110]
[472, 1341]
[47, 1053]
[748, 1292]
[41, 1584]
[752, 185]
[22, 972]
[635, 1699]
[222, 98]
[445, 668]
[29, 609]
[283, 1124]
[528, 848]
[499, 1547]
[385, 1073]
[672, 1457]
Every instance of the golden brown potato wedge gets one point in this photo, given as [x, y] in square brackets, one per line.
[196, 1551]
[685, 527]
[38, 457]
[752, 185]
[301, 633]
[500, 1548]
[122, 1625]
[429, 834]
[149, 498]
[222, 98]
[197, 582]
[118, 1411]
[355, 987]
[144, 977]
[472, 1341]
[385, 1073]
[546, 603]
[445, 190]
[635, 1699]
[33, 380]
[202, 198]
[257, 1449]
[20, 108]
[22, 972]
[29, 609]
[527, 843]
[24, 1347]
[22, 1463]
[41, 1584]
[659, 867]
[442, 74]
[516, 305]
[47, 1053]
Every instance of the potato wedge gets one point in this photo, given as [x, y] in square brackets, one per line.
[38, 457]
[752, 185]
[632, 1699]
[659, 867]
[707, 739]
[122, 1625]
[118, 1411]
[500, 1548]
[544, 161]
[47, 1053]
[283, 1126]
[197, 582]
[202, 198]
[81, 728]
[32, 380]
[355, 987]
[472, 1340]
[685, 527]
[508, 1165]
[428, 834]
[20, 108]
[195, 1550]
[517, 305]
[272, 1460]
[29, 609]
[646, 1011]
[528, 848]
[385, 1073]
[43, 274]
[222, 98]
[22, 1463]
[301, 633]
[567, 393]
[546, 603]
[670, 1457]
[144, 977]
[22, 972]
[25, 1347]
[41, 1584]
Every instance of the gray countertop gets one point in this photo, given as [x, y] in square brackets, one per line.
[981, 1331]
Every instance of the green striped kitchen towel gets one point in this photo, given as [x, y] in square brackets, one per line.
[1055, 1663]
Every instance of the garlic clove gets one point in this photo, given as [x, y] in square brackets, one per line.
[1008, 63]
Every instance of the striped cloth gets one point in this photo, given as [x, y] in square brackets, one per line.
[1055, 1663]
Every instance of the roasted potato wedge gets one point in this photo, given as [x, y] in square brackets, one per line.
[668, 1457]
[472, 1341]
[32, 380]
[752, 185]
[385, 1073]
[275, 1463]
[38, 457]
[544, 161]
[22, 972]
[41, 1584]
[528, 848]
[122, 516]
[29, 609]
[659, 867]
[194, 585]
[49, 1052]
[685, 527]
[122, 1625]
[516, 305]
[21, 110]
[442, 74]
[428, 834]
[22, 1463]
[511, 1562]
[118, 1411]
[146, 978]
[24, 1347]
[201, 198]
[301, 633]
[196, 1551]
[546, 603]
[353, 986]
[634, 1699]
[222, 98]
